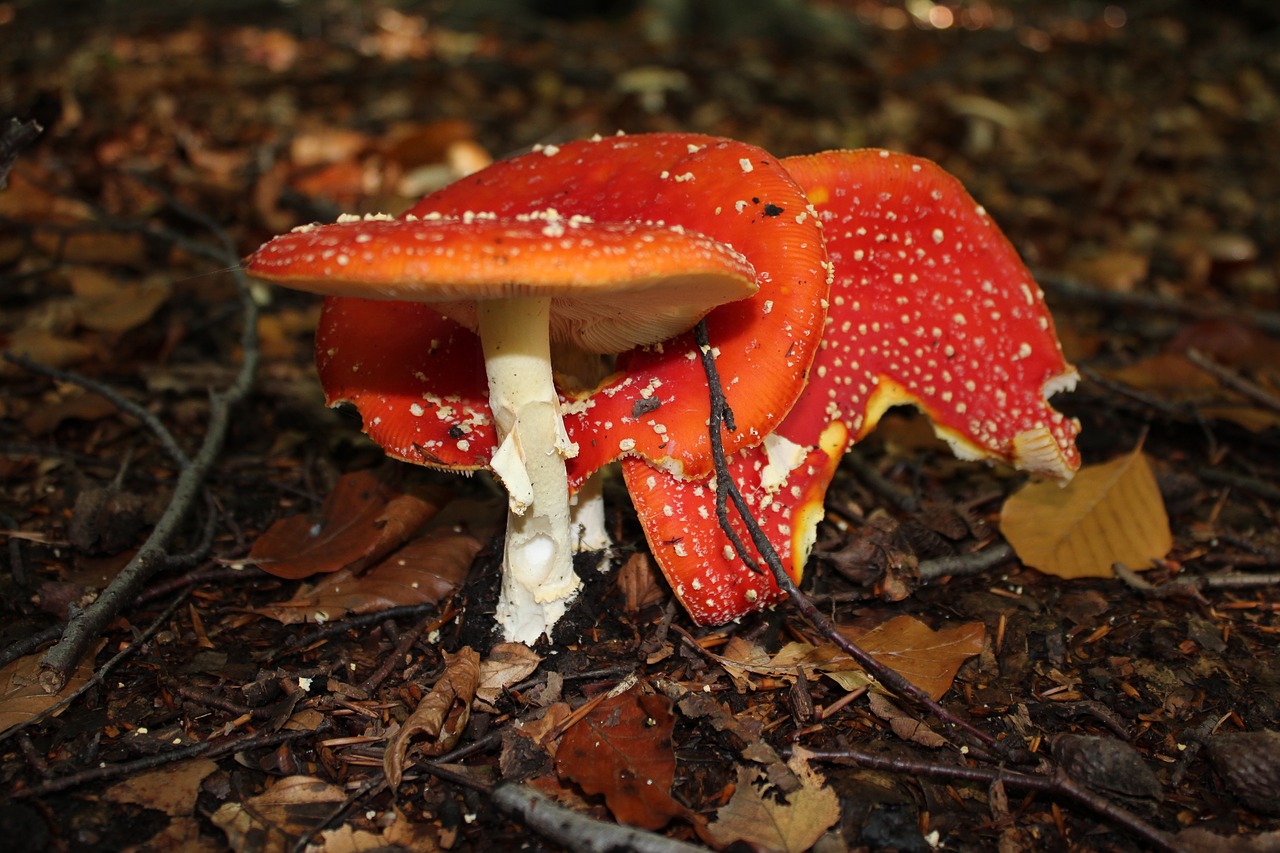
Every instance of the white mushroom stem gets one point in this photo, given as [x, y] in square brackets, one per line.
[537, 577]
[586, 513]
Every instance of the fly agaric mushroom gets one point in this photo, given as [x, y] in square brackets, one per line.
[931, 306]
[560, 236]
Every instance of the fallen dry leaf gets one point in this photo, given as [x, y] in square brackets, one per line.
[507, 664]
[441, 715]
[1173, 377]
[362, 520]
[426, 571]
[69, 404]
[622, 750]
[172, 789]
[638, 581]
[792, 825]
[903, 725]
[105, 303]
[927, 658]
[1111, 513]
[283, 813]
[22, 698]
[545, 731]
[182, 833]
[47, 347]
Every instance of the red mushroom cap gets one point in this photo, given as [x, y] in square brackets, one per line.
[680, 524]
[935, 309]
[418, 378]
[931, 306]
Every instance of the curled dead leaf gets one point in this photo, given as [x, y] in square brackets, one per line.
[441, 715]
[507, 664]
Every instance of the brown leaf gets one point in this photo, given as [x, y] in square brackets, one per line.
[291, 807]
[544, 731]
[361, 521]
[70, 404]
[1174, 377]
[47, 347]
[904, 725]
[622, 750]
[1229, 342]
[172, 789]
[638, 581]
[507, 664]
[107, 304]
[927, 658]
[1111, 513]
[426, 571]
[22, 698]
[792, 825]
[1170, 375]
[441, 715]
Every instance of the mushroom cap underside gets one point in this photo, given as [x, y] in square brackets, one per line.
[612, 286]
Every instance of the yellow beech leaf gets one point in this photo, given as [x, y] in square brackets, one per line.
[1108, 514]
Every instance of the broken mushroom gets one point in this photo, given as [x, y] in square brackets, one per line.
[441, 326]
[931, 307]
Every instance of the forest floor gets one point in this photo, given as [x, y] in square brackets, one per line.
[1128, 152]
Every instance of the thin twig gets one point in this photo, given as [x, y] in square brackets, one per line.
[576, 831]
[127, 769]
[1136, 304]
[1261, 488]
[725, 485]
[972, 563]
[1056, 782]
[902, 500]
[298, 642]
[425, 625]
[121, 402]
[28, 644]
[207, 574]
[571, 829]
[1256, 393]
[370, 788]
[86, 626]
